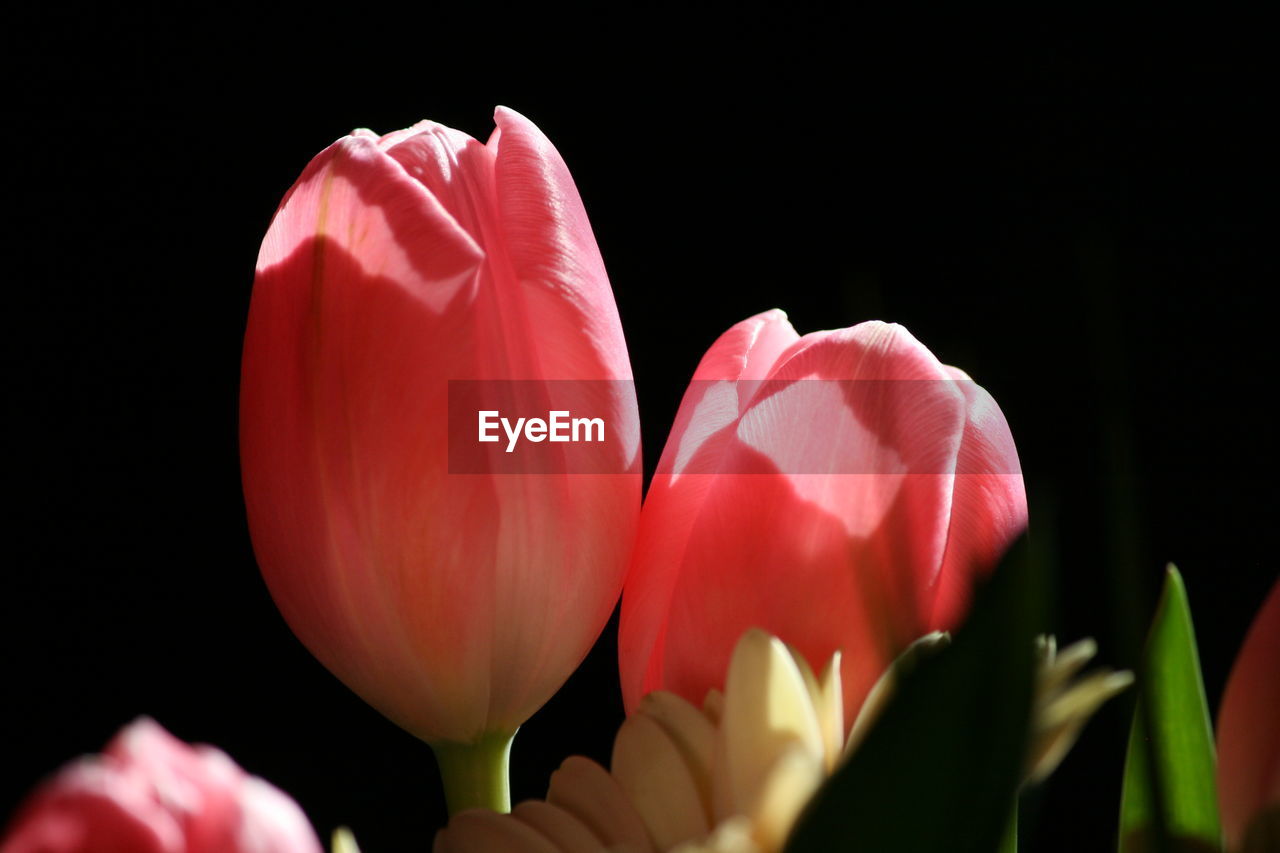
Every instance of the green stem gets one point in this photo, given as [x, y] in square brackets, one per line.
[475, 775]
[1010, 842]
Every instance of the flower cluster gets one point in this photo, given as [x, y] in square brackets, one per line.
[734, 775]
[822, 513]
[729, 777]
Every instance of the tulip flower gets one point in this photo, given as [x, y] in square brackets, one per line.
[841, 491]
[1249, 737]
[151, 793]
[455, 600]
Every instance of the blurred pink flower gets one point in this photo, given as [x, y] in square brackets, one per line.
[151, 793]
[1249, 728]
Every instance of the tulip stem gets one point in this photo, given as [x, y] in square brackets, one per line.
[1009, 844]
[476, 775]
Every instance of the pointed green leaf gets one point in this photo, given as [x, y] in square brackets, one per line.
[940, 769]
[1170, 801]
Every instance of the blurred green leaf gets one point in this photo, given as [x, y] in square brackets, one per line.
[940, 769]
[1169, 801]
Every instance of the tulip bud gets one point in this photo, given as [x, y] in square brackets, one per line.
[840, 491]
[454, 598]
[1249, 737]
[150, 793]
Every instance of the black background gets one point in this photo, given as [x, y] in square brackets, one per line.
[1070, 210]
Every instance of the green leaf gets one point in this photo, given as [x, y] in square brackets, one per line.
[1170, 801]
[940, 769]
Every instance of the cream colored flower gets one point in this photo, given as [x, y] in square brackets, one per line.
[733, 776]
[730, 777]
[344, 841]
[1063, 704]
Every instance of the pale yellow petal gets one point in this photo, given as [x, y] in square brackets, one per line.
[722, 804]
[1046, 650]
[830, 706]
[1064, 665]
[1049, 748]
[1084, 697]
[583, 788]
[1060, 721]
[483, 831]
[691, 732]
[732, 836]
[806, 673]
[872, 706]
[562, 829]
[928, 645]
[344, 841]
[652, 772]
[767, 710]
[786, 791]
[713, 706]
[830, 719]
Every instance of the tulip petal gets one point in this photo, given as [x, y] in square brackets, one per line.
[271, 820]
[453, 168]
[834, 557]
[721, 390]
[336, 413]
[847, 501]
[91, 802]
[201, 785]
[455, 604]
[355, 198]
[989, 503]
[747, 351]
[553, 255]
[1249, 725]
[151, 793]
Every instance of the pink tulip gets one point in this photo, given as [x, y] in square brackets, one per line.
[151, 793]
[1249, 728]
[836, 515]
[454, 602]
